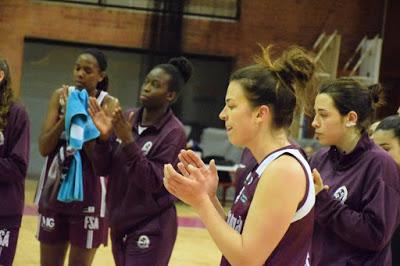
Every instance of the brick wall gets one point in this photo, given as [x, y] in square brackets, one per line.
[262, 21]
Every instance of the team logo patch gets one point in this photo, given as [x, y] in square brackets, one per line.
[4, 238]
[143, 242]
[91, 223]
[1, 138]
[146, 147]
[341, 194]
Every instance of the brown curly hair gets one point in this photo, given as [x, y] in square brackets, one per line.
[6, 93]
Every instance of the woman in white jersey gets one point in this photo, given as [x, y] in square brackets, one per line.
[271, 220]
[78, 224]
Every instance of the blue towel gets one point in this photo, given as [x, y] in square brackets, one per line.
[79, 128]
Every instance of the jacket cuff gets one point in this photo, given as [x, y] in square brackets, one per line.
[130, 150]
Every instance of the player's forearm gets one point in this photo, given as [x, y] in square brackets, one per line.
[228, 241]
[218, 207]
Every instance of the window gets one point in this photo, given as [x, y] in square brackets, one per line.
[220, 9]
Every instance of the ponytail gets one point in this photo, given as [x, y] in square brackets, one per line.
[282, 83]
[103, 85]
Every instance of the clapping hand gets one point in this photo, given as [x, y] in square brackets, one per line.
[196, 181]
[101, 119]
[189, 188]
[63, 100]
[122, 126]
[188, 157]
[318, 182]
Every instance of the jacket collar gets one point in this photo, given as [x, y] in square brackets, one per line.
[156, 126]
[343, 161]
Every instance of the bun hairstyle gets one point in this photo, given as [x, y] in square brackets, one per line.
[282, 84]
[6, 93]
[183, 65]
[350, 95]
[102, 63]
[377, 94]
[180, 69]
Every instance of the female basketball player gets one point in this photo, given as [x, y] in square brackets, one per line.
[143, 218]
[271, 220]
[357, 206]
[80, 225]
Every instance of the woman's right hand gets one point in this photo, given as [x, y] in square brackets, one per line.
[318, 182]
[188, 157]
[63, 100]
[101, 119]
[190, 187]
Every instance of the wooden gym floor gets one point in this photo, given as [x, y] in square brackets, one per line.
[193, 245]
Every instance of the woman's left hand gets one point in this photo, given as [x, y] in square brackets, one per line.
[190, 189]
[122, 126]
[318, 182]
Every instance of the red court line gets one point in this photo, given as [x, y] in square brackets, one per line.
[183, 221]
[192, 222]
[30, 210]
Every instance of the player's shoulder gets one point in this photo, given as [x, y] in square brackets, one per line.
[286, 164]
